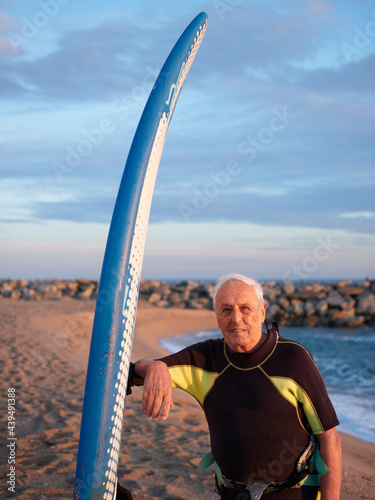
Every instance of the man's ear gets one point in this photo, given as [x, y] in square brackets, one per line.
[263, 310]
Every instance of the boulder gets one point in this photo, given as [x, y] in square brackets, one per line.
[351, 290]
[309, 308]
[334, 299]
[321, 307]
[203, 303]
[161, 303]
[318, 287]
[30, 294]
[11, 284]
[296, 308]
[52, 295]
[164, 290]
[83, 282]
[70, 289]
[204, 290]
[45, 288]
[366, 304]
[271, 291]
[147, 285]
[175, 298]
[272, 311]
[307, 295]
[284, 302]
[343, 283]
[288, 287]
[87, 292]
[15, 294]
[185, 295]
[154, 297]
[313, 321]
[335, 314]
[351, 322]
[61, 285]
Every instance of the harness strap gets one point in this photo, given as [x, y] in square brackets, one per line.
[308, 463]
[256, 490]
[208, 460]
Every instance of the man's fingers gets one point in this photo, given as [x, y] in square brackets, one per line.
[155, 405]
[165, 410]
[167, 404]
[157, 391]
[150, 403]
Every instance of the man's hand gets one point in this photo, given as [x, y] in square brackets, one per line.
[157, 388]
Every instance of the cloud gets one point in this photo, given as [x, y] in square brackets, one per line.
[354, 78]
[311, 172]
[7, 48]
[7, 23]
[90, 64]
[94, 63]
[358, 215]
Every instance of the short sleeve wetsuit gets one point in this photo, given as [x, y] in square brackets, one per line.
[260, 407]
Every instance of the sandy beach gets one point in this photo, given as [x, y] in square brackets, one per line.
[45, 347]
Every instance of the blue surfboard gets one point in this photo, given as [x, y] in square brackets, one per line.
[112, 335]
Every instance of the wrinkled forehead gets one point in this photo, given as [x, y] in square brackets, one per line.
[236, 292]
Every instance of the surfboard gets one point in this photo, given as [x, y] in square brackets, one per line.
[114, 320]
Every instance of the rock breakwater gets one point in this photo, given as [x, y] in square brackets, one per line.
[343, 303]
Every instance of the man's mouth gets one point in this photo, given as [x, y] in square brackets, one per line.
[237, 330]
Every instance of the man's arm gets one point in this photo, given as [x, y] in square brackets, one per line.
[157, 388]
[330, 450]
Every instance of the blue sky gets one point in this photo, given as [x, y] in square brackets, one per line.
[268, 168]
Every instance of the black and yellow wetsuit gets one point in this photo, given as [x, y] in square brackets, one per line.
[260, 407]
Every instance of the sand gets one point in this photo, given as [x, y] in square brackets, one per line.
[45, 347]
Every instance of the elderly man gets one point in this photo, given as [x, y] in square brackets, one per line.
[272, 425]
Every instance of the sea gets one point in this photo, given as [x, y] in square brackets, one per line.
[346, 360]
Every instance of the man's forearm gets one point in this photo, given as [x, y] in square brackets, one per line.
[330, 450]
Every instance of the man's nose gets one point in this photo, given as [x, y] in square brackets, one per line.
[236, 316]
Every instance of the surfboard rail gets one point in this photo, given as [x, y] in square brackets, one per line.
[114, 320]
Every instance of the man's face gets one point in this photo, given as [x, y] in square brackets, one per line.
[239, 315]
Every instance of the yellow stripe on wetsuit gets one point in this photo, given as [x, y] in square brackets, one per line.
[295, 394]
[194, 380]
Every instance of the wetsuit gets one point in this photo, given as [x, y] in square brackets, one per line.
[260, 407]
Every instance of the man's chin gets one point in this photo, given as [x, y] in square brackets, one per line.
[238, 346]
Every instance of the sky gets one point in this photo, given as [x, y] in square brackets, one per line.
[268, 167]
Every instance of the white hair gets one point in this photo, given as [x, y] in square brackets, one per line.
[239, 277]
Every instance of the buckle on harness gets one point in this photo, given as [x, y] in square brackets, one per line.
[303, 468]
[256, 490]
